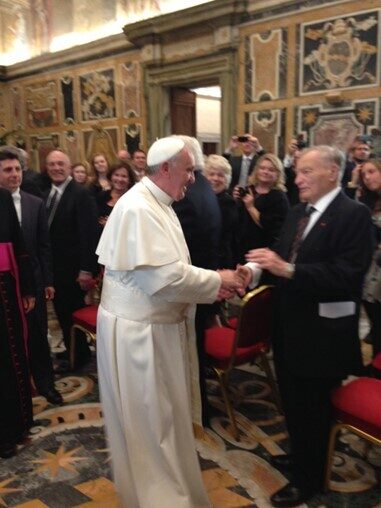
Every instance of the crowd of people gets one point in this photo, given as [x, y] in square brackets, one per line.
[310, 225]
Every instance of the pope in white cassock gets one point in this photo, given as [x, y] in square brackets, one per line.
[145, 337]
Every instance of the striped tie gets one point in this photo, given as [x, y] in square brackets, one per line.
[300, 228]
[50, 208]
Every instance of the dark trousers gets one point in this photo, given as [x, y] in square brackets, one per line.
[68, 298]
[39, 351]
[308, 414]
[202, 314]
[373, 310]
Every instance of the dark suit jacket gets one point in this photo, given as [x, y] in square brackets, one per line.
[34, 226]
[30, 182]
[73, 234]
[200, 217]
[236, 161]
[330, 266]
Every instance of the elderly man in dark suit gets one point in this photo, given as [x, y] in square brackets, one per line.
[31, 214]
[200, 218]
[319, 264]
[72, 220]
[243, 165]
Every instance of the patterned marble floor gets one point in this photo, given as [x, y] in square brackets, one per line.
[65, 462]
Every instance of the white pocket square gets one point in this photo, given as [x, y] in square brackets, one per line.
[334, 310]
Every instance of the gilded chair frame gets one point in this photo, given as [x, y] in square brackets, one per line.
[223, 374]
[90, 335]
[338, 427]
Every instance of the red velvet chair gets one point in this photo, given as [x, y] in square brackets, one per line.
[376, 363]
[357, 407]
[84, 319]
[227, 347]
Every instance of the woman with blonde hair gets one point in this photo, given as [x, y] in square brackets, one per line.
[264, 205]
[218, 172]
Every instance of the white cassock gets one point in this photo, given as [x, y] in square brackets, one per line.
[145, 349]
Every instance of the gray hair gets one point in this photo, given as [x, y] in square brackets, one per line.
[330, 155]
[154, 168]
[217, 162]
[195, 149]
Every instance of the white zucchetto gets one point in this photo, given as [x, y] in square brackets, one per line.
[164, 149]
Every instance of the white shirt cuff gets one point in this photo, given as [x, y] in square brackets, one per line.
[256, 274]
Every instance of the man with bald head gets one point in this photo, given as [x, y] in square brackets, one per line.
[146, 339]
[72, 220]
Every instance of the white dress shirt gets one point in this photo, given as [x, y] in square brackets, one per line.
[17, 202]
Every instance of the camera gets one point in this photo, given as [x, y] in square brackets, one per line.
[300, 143]
[242, 139]
[242, 191]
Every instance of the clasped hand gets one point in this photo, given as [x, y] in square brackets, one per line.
[232, 282]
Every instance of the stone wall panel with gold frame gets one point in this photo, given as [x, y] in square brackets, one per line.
[268, 126]
[41, 101]
[67, 99]
[41, 145]
[265, 65]
[131, 86]
[338, 126]
[97, 95]
[17, 107]
[4, 113]
[72, 145]
[340, 52]
[133, 137]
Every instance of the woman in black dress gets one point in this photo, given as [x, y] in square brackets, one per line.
[219, 173]
[16, 290]
[121, 177]
[99, 167]
[370, 195]
[264, 205]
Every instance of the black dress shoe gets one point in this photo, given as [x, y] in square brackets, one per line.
[8, 450]
[282, 462]
[289, 496]
[53, 396]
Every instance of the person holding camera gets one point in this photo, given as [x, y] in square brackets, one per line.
[289, 163]
[358, 154]
[242, 165]
[264, 205]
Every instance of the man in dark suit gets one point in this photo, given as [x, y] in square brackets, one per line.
[31, 214]
[200, 218]
[243, 165]
[319, 264]
[72, 220]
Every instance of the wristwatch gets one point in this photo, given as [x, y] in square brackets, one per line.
[290, 270]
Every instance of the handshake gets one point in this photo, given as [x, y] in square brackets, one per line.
[233, 282]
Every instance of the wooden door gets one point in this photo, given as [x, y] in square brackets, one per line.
[183, 112]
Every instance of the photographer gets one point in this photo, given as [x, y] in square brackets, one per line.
[358, 154]
[295, 148]
[263, 207]
[242, 165]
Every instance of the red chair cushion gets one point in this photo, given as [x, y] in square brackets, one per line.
[359, 404]
[233, 322]
[86, 317]
[377, 362]
[219, 342]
